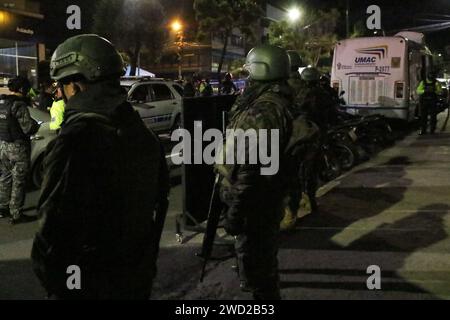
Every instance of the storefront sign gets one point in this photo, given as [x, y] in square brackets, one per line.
[18, 27]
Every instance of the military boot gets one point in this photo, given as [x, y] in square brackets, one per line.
[16, 218]
[289, 221]
[305, 204]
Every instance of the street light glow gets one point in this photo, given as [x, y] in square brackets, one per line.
[176, 26]
[294, 14]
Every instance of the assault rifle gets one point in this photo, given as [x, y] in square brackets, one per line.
[214, 213]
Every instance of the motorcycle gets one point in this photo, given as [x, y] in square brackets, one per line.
[337, 153]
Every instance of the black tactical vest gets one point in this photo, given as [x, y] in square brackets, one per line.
[429, 91]
[10, 130]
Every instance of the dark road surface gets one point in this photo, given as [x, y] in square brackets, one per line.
[392, 211]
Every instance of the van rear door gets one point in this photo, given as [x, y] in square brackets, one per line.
[365, 89]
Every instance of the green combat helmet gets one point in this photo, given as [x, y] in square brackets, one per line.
[267, 63]
[87, 55]
[310, 75]
[295, 61]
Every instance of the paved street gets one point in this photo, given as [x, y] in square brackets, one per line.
[392, 212]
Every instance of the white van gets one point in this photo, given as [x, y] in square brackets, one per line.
[380, 74]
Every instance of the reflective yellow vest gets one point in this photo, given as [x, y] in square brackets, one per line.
[421, 88]
[57, 114]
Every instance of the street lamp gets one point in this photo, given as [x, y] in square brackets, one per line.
[294, 14]
[177, 28]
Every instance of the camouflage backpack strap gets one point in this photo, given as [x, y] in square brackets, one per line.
[284, 108]
[283, 104]
[304, 132]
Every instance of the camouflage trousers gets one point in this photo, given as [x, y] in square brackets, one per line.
[257, 254]
[14, 168]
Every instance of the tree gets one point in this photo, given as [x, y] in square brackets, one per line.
[313, 36]
[136, 28]
[223, 16]
[236, 67]
[359, 30]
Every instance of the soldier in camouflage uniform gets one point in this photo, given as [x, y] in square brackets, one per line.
[255, 202]
[104, 197]
[16, 127]
[319, 107]
[314, 101]
[295, 80]
[293, 204]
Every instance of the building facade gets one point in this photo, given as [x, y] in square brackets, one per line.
[204, 58]
[21, 42]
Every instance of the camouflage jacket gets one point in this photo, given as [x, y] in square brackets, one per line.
[296, 83]
[317, 104]
[244, 189]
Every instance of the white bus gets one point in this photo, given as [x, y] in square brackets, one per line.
[380, 74]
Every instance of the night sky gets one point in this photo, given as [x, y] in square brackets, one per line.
[395, 14]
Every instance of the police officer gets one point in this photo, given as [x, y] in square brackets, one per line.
[57, 109]
[205, 88]
[104, 195]
[428, 91]
[16, 127]
[254, 201]
[227, 86]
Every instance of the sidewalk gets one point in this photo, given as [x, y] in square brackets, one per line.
[392, 212]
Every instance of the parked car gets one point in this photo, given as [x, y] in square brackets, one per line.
[44, 136]
[39, 143]
[158, 101]
[4, 78]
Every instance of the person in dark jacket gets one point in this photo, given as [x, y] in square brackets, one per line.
[189, 88]
[45, 97]
[228, 86]
[16, 127]
[428, 90]
[105, 191]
